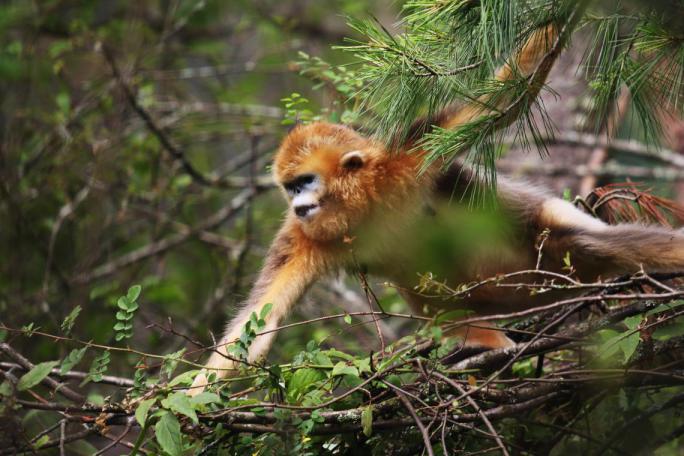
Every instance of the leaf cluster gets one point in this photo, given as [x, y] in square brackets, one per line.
[127, 306]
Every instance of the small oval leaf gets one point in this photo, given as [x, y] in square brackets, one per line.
[133, 293]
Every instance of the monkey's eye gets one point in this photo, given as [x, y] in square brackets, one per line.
[306, 179]
[297, 184]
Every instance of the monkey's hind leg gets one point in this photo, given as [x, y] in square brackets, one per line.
[476, 338]
[482, 334]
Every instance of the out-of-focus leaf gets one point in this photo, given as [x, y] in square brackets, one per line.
[205, 398]
[668, 331]
[143, 409]
[185, 378]
[342, 368]
[180, 403]
[168, 434]
[70, 319]
[41, 441]
[265, 310]
[73, 358]
[35, 375]
[367, 420]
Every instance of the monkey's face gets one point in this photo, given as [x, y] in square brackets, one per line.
[328, 174]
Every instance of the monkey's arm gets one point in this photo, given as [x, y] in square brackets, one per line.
[291, 265]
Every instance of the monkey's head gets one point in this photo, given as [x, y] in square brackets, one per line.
[329, 175]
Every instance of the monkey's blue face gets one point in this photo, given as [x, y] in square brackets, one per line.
[326, 192]
[327, 174]
[305, 193]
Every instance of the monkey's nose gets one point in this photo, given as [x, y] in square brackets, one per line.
[304, 210]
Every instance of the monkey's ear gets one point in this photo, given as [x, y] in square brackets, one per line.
[352, 160]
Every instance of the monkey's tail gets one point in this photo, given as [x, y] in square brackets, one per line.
[628, 245]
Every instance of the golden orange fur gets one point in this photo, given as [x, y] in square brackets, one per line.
[348, 193]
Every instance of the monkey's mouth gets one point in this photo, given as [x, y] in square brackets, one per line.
[306, 212]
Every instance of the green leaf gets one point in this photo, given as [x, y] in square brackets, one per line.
[669, 331]
[322, 359]
[665, 307]
[123, 303]
[614, 342]
[180, 403]
[29, 329]
[436, 332]
[301, 380]
[524, 368]
[5, 388]
[133, 293]
[70, 319]
[265, 310]
[142, 410]
[633, 322]
[342, 368]
[306, 426]
[35, 375]
[41, 441]
[348, 319]
[205, 398]
[171, 361]
[167, 432]
[629, 344]
[566, 260]
[339, 354]
[73, 358]
[316, 416]
[63, 102]
[363, 364]
[98, 368]
[184, 378]
[367, 420]
[609, 345]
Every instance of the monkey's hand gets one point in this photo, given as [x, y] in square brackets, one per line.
[220, 363]
[199, 384]
[290, 267]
